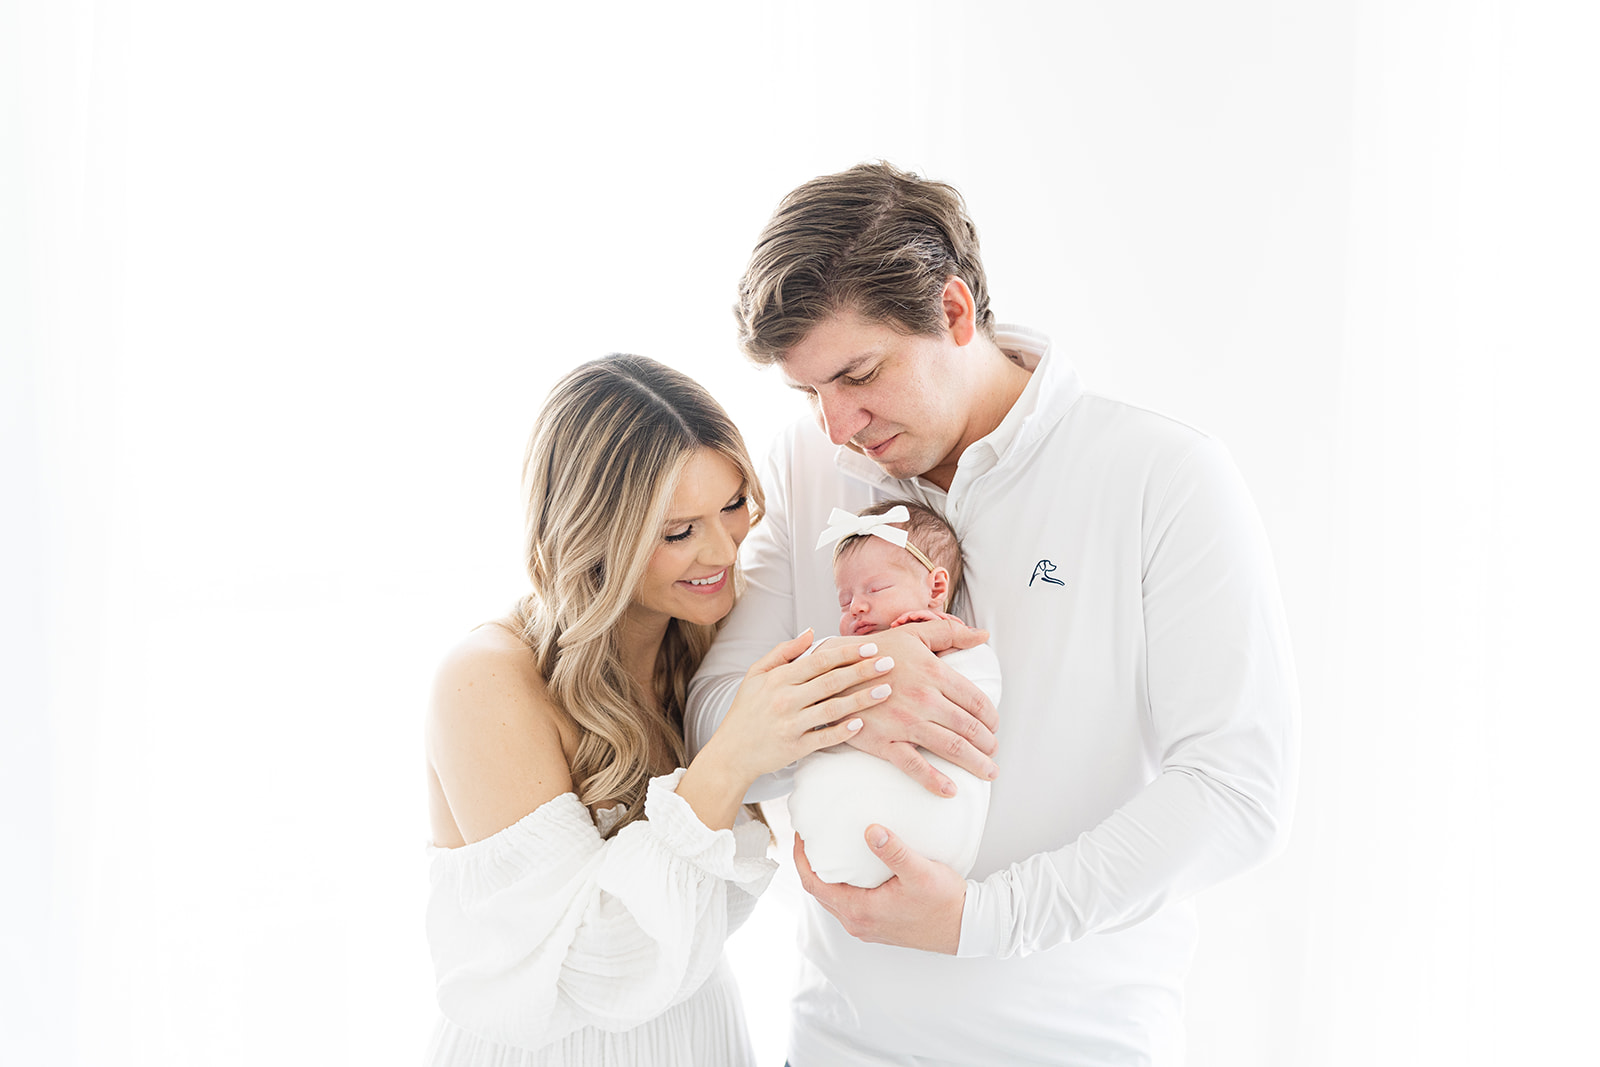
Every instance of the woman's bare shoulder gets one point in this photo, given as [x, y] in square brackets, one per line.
[495, 739]
[489, 653]
[490, 673]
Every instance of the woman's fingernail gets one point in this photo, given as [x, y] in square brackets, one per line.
[853, 724]
[878, 836]
[880, 692]
[948, 789]
[885, 663]
[869, 649]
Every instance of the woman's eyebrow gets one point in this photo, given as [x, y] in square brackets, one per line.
[743, 490]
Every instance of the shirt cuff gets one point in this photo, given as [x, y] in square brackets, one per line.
[717, 852]
[983, 919]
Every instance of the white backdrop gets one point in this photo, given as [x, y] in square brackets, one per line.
[281, 287]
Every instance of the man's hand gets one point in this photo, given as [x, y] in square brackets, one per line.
[931, 706]
[920, 907]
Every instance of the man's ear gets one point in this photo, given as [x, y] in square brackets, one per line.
[960, 310]
[939, 590]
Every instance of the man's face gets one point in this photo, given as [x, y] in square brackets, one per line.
[895, 398]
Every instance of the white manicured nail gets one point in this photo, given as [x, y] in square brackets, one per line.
[885, 663]
[880, 692]
[869, 649]
[853, 724]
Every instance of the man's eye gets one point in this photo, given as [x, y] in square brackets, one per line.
[864, 379]
[684, 536]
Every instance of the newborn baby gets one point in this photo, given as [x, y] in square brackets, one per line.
[896, 562]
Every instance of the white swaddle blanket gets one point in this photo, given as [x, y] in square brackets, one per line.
[840, 791]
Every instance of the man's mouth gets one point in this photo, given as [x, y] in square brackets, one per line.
[877, 449]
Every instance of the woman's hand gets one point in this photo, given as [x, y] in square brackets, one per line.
[789, 705]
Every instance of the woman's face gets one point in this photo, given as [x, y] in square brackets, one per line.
[690, 576]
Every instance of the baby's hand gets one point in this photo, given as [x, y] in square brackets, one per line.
[924, 615]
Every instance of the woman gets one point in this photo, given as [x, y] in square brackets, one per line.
[583, 884]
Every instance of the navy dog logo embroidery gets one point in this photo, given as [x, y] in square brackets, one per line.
[1043, 570]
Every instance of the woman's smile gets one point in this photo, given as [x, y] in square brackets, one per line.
[712, 583]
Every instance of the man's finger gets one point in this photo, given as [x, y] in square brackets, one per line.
[802, 865]
[952, 732]
[967, 697]
[824, 892]
[957, 750]
[894, 853]
[908, 757]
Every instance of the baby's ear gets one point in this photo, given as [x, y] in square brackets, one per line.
[939, 588]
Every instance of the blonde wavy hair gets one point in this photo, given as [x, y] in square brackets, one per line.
[600, 472]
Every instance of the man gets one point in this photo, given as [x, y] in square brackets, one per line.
[1146, 748]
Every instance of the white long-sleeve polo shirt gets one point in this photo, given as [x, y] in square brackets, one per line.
[1147, 745]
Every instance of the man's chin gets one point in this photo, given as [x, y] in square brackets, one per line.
[903, 471]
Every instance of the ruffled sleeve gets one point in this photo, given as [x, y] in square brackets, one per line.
[545, 927]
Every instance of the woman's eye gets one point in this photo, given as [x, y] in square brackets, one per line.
[737, 504]
[684, 536]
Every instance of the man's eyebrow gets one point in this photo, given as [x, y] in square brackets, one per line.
[849, 368]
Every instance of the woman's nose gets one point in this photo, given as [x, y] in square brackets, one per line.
[721, 549]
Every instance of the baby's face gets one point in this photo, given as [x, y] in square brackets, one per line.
[877, 584]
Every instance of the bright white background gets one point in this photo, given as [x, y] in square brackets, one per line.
[281, 287]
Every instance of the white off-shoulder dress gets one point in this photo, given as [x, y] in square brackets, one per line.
[552, 945]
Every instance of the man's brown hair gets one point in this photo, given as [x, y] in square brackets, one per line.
[875, 240]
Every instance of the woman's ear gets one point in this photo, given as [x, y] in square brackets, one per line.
[938, 588]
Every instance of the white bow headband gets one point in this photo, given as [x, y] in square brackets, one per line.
[842, 526]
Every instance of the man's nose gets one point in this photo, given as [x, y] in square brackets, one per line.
[841, 419]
